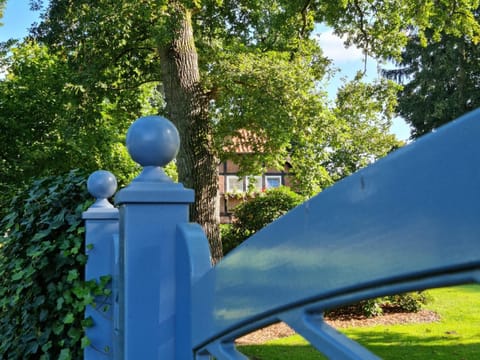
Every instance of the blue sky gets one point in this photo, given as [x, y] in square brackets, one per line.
[18, 18]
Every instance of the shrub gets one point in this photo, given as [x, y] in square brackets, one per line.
[407, 302]
[42, 291]
[366, 308]
[256, 213]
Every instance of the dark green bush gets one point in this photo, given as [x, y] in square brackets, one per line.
[252, 215]
[364, 308]
[42, 291]
[407, 302]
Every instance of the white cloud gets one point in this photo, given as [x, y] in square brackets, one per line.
[333, 48]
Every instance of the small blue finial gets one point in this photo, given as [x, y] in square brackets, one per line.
[102, 184]
[153, 142]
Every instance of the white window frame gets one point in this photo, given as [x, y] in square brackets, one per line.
[239, 180]
[273, 177]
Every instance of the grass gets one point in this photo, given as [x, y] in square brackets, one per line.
[455, 337]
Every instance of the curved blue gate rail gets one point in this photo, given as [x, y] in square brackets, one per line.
[408, 222]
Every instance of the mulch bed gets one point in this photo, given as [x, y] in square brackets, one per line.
[280, 330]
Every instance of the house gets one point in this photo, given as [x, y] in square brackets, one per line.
[235, 189]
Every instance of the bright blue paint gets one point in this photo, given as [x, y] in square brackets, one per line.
[410, 215]
[408, 222]
[102, 185]
[101, 225]
[153, 141]
[151, 207]
[192, 259]
[326, 339]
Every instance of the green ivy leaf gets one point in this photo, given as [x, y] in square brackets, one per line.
[72, 275]
[43, 315]
[60, 302]
[65, 355]
[69, 318]
[18, 275]
[85, 342]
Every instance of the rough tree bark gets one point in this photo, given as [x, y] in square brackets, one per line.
[187, 107]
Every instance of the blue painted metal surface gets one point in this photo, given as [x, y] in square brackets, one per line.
[408, 222]
[192, 259]
[150, 208]
[101, 226]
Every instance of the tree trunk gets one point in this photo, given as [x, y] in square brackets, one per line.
[187, 107]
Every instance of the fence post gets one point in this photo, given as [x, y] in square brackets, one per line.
[101, 228]
[151, 207]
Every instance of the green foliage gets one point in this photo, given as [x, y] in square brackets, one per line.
[367, 308]
[407, 302]
[42, 291]
[256, 213]
[63, 125]
[381, 27]
[347, 137]
[3, 3]
[441, 80]
[364, 112]
[253, 57]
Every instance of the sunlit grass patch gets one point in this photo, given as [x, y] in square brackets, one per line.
[455, 336]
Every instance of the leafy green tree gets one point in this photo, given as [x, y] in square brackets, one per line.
[441, 80]
[365, 111]
[50, 124]
[186, 45]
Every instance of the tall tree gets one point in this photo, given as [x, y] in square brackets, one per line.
[120, 44]
[442, 80]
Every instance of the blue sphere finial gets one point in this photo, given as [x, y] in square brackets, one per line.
[153, 141]
[102, 184]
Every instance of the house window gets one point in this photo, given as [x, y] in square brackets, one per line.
[273, 181]
[234, 183]
[254, 183]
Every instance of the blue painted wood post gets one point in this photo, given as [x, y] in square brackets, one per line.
[151, 207]
[101, 227]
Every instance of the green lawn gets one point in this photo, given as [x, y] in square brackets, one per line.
[455, 337]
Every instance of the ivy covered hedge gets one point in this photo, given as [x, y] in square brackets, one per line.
[42, 291]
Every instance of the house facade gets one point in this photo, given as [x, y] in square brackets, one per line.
[235, 189]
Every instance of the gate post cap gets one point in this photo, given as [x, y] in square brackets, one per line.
[153, 141]
[102, 184]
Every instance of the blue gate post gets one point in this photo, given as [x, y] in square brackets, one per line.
[151, 207]
[101, 227]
